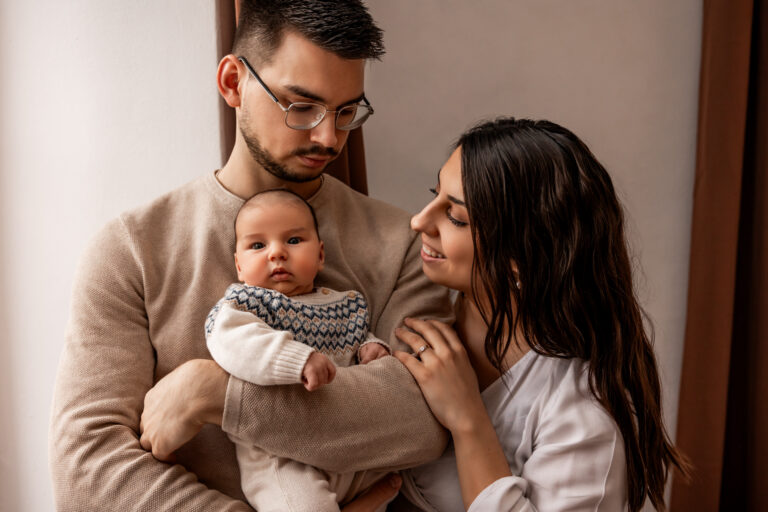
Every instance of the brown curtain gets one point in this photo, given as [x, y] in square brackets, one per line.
[349, 167]
[723, 414]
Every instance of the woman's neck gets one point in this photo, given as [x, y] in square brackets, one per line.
[472, 329]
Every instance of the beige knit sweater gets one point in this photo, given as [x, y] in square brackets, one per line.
[141, 295]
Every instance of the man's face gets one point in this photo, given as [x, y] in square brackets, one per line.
[299, 71]
[278, 247]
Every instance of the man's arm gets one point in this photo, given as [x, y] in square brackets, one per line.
[106, 367]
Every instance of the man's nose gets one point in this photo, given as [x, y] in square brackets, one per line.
[325, 133]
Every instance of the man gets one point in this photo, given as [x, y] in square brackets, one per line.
[149, 278]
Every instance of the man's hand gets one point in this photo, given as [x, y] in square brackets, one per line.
[370, 352]
[318, 371]
[380, 494]
[178, 406]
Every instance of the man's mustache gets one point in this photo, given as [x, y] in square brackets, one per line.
[316, 150]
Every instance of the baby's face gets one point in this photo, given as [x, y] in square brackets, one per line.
[278, 248]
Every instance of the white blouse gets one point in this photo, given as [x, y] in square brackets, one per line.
[564, 449]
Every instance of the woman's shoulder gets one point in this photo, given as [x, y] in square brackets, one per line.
[567, 403]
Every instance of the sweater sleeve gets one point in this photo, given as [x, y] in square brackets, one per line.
[106, 367]
[246, 347]
[370, 416]
[414, 296]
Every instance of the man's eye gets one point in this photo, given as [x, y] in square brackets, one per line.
[257, 245]
[294, 240]
[302, 108]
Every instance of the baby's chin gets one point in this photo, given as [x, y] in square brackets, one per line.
[289, 289]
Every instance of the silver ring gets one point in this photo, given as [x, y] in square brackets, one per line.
[423, 348]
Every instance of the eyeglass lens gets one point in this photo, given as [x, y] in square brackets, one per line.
[304, 116]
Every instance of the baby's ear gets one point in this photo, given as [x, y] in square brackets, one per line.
[237, 266]
[322, 255]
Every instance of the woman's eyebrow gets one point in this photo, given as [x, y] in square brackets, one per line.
[450, 197]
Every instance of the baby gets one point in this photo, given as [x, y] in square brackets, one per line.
[277, 328]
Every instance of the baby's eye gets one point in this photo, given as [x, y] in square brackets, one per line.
[257, 245]
[294, 240]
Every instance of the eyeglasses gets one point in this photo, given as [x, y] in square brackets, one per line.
[305, 115]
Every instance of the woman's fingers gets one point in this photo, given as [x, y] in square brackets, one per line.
[412, 339]
[412, 364]
[430, 333]
[449, 334]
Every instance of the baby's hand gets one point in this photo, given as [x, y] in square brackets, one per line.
[371, 352]
[318, 371]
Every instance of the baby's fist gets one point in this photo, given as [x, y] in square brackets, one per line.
[371, 352]
[318, 371]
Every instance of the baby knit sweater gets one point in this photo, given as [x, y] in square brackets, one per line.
[265, 337]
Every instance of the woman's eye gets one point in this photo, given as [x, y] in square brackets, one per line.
[257, 245]
[454, 220]
[434, 191]
[294, 240]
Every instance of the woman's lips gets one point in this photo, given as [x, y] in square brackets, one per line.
[430, 254]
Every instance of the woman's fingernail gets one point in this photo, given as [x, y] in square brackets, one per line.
[395, 481]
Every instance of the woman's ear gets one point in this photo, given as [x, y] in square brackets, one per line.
[517, 275]
[228, 80]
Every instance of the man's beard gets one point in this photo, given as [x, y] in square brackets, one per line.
[264, 159]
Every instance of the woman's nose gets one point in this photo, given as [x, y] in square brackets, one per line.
[422, 221]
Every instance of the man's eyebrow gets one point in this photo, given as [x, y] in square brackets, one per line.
[297, 89]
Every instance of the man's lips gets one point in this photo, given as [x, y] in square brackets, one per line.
[313, 161]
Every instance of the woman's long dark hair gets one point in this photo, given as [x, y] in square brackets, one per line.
[536, 196]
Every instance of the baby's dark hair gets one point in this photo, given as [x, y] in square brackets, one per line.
[343, 27]
[289, 195]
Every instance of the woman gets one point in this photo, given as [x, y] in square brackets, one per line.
[537, 385]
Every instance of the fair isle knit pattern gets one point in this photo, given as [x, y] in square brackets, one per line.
[337, 327]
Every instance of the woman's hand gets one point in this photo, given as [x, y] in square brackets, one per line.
[443, 372]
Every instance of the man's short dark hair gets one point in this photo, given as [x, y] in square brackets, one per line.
[343, 27]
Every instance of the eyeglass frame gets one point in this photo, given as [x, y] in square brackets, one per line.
[287, 109]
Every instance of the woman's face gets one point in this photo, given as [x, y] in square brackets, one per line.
[447, 251]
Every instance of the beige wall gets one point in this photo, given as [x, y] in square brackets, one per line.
[622, 75]
[103, 106]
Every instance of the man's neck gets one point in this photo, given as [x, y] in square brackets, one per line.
[244, 178]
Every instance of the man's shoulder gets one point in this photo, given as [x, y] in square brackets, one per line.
[341, 199]
[180, 201]
[178, 212]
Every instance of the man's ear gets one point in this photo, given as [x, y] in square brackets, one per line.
[228, 79]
